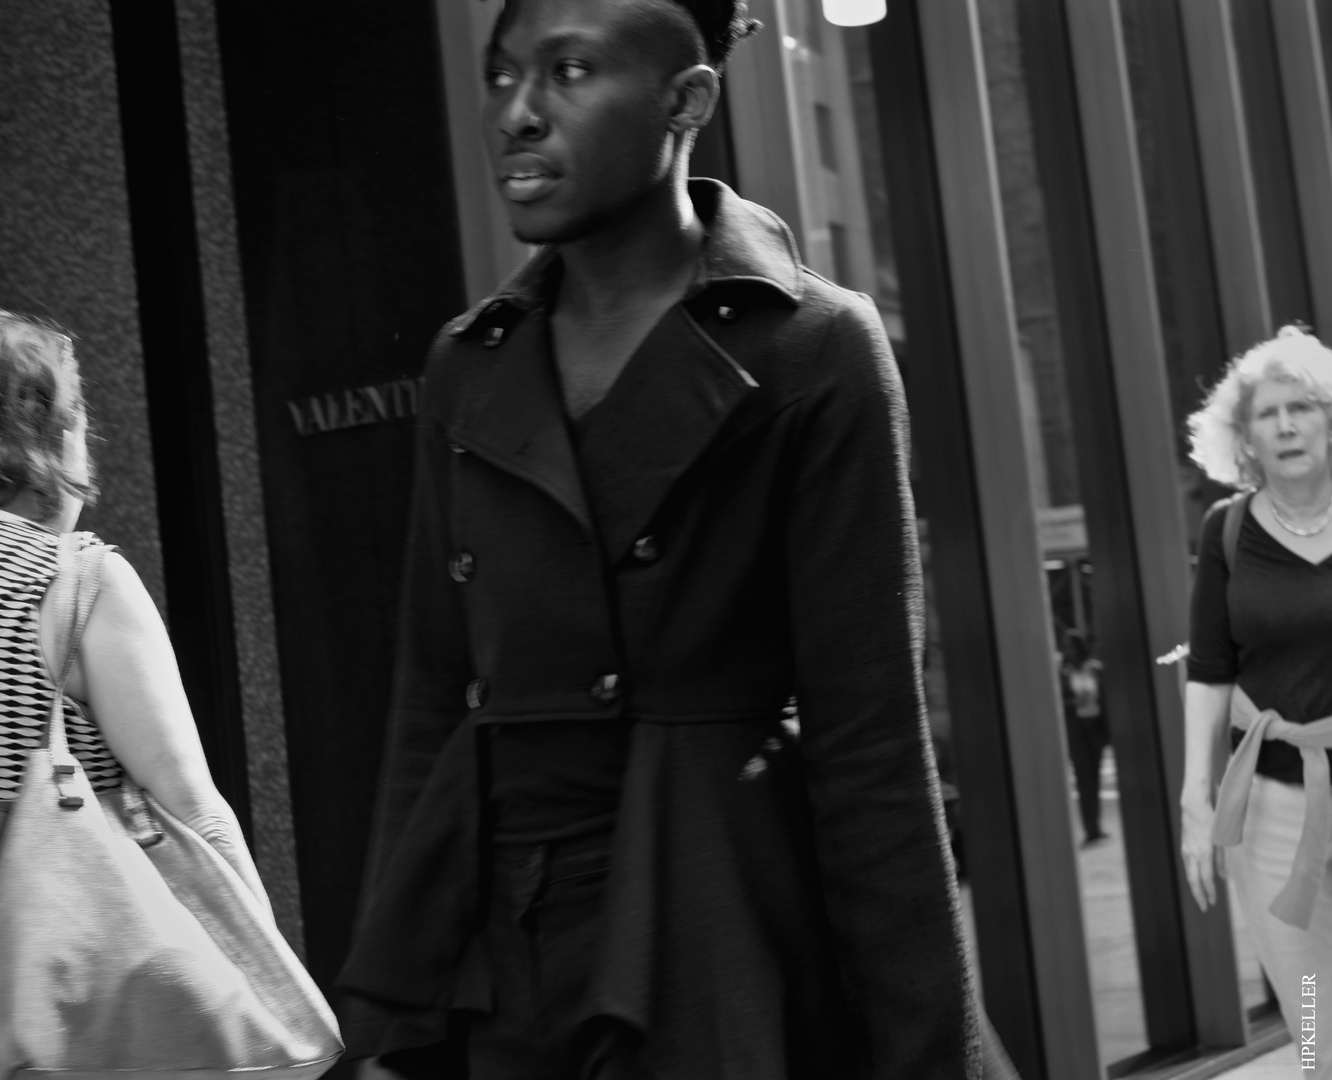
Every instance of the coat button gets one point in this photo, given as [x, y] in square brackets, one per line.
[477, 692]
[494, 336]
[462, 567]
[606, 690]
[457, 448]
[727, 314]
[646, 549]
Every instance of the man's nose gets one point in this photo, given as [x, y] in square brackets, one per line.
[1285, 421]
[522, 117]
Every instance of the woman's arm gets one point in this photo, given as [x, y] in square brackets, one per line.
[1206, 709]
[126, 671]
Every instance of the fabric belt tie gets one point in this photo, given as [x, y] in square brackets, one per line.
[1294, 905]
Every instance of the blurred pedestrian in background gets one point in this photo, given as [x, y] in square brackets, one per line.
[1260, 660]
[1088, 734]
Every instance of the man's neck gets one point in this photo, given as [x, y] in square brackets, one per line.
[645, 259]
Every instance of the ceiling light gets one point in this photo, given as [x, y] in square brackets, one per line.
[854, 12]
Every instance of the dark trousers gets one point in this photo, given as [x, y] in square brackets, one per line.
[1088, 736]
[538, 943]
[544, 913]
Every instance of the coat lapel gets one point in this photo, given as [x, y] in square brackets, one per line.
[666, 407]
[516, 422]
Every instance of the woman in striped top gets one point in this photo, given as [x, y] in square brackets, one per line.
[125, 707]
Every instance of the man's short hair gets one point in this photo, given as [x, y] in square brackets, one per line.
[721, 24]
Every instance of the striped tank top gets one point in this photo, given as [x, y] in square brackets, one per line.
[28, 559]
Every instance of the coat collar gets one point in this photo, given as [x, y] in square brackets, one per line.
[657, 419]
[745, 243]
[663, 411]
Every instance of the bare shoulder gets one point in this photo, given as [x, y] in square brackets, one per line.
[122, 601]
[122, 622]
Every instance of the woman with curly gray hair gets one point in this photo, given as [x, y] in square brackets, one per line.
[1260, 664]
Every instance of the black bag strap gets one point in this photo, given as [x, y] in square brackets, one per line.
[1236, 506]
[1230, 528]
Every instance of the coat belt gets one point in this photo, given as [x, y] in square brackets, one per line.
[1295, 903]
[748, 716]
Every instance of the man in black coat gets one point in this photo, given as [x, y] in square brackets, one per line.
[661, 492]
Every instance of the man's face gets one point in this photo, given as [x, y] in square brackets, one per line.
[576, 116]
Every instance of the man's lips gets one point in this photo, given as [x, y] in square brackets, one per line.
[526, 177]
[526, 188]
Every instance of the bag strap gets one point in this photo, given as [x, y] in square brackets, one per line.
[1236, 506]
[1230, 528]
[74, 589]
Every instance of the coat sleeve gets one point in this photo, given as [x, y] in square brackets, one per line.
[433, 658]
[858, 630]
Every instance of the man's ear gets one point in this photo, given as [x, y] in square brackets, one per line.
[694, 93]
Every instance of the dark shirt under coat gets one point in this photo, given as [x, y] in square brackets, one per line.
[777, 906]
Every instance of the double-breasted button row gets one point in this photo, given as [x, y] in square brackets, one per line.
[462, 567]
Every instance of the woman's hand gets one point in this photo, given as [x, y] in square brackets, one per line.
[1206, 709]
[1197, 849]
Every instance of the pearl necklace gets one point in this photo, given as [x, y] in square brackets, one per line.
[1312, 530]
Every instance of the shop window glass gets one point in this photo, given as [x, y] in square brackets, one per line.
[1191, 320]
[1056, 483]
[846, 236]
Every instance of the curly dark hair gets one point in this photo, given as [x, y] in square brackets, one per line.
[41, 398]
[722, 24]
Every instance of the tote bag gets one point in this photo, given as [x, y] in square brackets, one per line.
[127, 944]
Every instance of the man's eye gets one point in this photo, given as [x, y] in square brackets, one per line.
[570, 71]
[499, 79]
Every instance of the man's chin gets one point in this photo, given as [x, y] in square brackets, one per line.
[529, 236]
[526, 234]
[529, 231]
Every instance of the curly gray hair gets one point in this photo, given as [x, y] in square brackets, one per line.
[1217, 430]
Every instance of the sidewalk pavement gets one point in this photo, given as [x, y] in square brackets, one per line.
[1281, 1064]
[1112, 950]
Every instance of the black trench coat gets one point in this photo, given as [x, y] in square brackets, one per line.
[736, 529]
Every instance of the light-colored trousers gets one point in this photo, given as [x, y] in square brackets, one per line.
[1295, 960]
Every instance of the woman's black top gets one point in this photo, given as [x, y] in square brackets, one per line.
[1266, 628]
